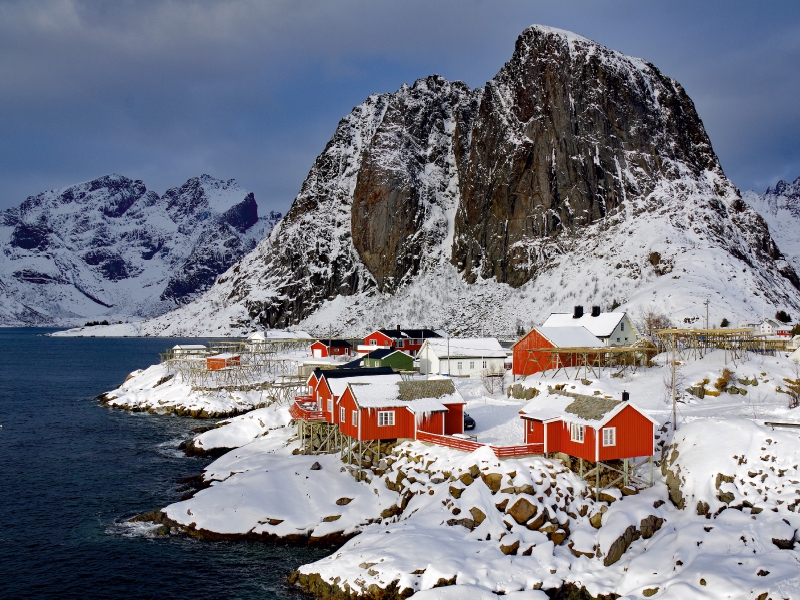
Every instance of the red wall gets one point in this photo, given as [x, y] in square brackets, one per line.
[403, 421]
[323, 393]
[454, 419]
[381, 340]
[320, 346]
[522, 365]
[432, 423]
[534, 431]
[635, 435]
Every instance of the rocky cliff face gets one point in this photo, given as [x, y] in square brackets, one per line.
[110, 247]
[573, 159]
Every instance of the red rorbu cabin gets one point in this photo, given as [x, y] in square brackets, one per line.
[378, 411]
[220, 361]
[598, 429]
[527, 361]
[407, 340]
[326, 348]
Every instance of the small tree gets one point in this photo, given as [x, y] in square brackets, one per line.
[494, 380]
[725, 322]
[796, 329]
[783, 316]
[648, 321]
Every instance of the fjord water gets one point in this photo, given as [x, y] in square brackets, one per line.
[72, 470]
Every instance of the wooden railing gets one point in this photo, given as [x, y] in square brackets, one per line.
[298, 412]
[449, 441]
[522, 450]
[470, 446]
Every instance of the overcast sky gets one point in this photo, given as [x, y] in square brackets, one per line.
[252, 90]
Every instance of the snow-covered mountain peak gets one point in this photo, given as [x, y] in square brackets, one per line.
[111, 248]
[578, 175]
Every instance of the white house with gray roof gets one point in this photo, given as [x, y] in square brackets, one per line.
[614, 328]
[461, 357]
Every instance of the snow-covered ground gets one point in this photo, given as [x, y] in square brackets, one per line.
[158, 390]
[707, 542]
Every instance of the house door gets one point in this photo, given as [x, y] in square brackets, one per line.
[317, 353]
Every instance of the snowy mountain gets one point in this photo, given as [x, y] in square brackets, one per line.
[577, 175]
[780, 207]
[111, 249]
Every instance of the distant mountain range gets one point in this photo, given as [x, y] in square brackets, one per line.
[577, 175]
[780, 207]
[110, 249]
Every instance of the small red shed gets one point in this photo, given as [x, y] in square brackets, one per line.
[373, 411]
[595, 429]
[407, 340]
[326, 348]
[220, 361]
[528, 362]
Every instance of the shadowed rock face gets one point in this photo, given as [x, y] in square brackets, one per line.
[396, 218]
[565, 131]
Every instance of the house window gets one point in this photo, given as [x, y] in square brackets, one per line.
[576, 432]
[485, 364]
[471, 364]
[401, 343]
[622, 326]
[341, 414]
[617, 339]
[330, 405]
[373, 342]
[610, 436]
[460, 365]
[355, 418]
[385, 418]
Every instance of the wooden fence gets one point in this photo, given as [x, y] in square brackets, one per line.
[470, 446]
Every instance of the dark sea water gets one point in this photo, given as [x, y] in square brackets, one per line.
[71, 471]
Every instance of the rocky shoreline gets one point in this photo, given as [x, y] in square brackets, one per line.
[106, 399]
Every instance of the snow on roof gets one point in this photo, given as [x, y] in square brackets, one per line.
[601, 326]
[467, 347]
[189, 347]
[225, 355]
[339, 385]
[795, 356]
[408, 333]
[421, 396]
[570, 337]
[593, 412]
[384, 352]
[332, 343]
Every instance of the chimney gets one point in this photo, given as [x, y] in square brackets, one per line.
[595, 311]
[398, 328]
[578, 312]
[625, 396]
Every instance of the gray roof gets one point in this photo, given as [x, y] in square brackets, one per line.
[591, 409]
[430, 388]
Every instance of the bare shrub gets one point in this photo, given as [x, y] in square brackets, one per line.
[724, 380]
[650, 319]
[494, 381]
[679, 383]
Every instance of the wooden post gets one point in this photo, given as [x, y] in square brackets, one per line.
[597, 482]
[379, 451]
[625, 468]
[651, 470]
[580, 462]
[360, 454]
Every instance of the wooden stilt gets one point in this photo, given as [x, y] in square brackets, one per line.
[625, 468]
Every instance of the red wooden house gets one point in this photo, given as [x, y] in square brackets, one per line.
[379, 411]
[595, 429]
[407, 340]
[527, 361]
[220, 361]
[326, 348]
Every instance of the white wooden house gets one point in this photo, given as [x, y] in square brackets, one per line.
[461, 357]
[614, 329]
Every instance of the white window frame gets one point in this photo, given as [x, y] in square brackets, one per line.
[385, 418]
[609, 432]
[577, 433]
[330, 405]
[485, 364]
[622, 326]
[401, 343]
[373, 342]
[355, 418]
[472, 365]
[342, 415]
[459, 366]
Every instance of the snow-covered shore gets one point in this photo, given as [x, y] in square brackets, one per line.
[721, 520]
